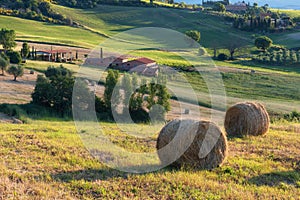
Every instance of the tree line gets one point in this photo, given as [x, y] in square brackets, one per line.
[140, 97]
[7, 40]
[39, 10]
[279, 57]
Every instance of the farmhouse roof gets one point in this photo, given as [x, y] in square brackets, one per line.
[54, 51]
[236, 7]
[145, 60]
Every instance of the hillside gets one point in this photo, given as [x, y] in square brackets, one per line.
[104, 21]
[30, 30]
[107, 20]
[111, 20]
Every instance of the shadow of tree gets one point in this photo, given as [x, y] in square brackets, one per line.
[276, 178]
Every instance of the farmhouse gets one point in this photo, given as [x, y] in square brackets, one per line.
[237, 7]
[119, 62]
[211, 3]
[142, 66]
[102, 62]
[54, 55]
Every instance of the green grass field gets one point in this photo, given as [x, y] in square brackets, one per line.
[42, 66]
[110, 20]
[291, 13]
[30, 30]
[106, 21]
[46, 159]
[269, 85]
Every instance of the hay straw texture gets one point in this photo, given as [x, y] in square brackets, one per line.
[247, 119]
[196, 144]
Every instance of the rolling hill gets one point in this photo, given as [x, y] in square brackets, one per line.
[30, 30]
[110, 20]
[105, 21]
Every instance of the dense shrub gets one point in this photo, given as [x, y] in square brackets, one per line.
[100, 106]
[222, 57]
[11, 110]
[263, 42]
[55, 90]
[293, 116]
[25, 112]
[139, 115]
[55, 93]
[14, 57]
[57, 71]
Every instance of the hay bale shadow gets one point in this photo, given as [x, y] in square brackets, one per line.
[277, 179]
[88, 175]
[91, 175]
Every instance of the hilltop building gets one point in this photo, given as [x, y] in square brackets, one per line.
[237, 7]
[210, 3]
[142, 66]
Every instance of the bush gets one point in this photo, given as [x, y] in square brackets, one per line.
[14, 111]
[26, 111]
[293, 116]
[55, 93]
[194, 34]
[57, 71]
[100, 105]
[140, 116]
[263, 42]
[14, 57]
[222, 57]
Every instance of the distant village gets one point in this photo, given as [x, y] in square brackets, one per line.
[252, 17]
[236, 7]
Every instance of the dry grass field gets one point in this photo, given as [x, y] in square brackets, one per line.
[17, 92]
[47, 160]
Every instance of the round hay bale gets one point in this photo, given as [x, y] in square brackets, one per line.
[197, 144]
[247, 119]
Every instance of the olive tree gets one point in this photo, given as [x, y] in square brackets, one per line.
[16, 71]
[263, 43]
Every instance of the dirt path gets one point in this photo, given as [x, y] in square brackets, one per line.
[5, 118]
[17, 92]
